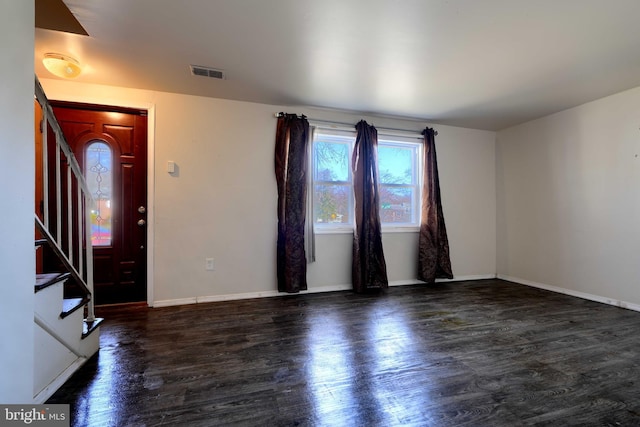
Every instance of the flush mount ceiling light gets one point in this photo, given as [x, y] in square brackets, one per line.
[61, 65]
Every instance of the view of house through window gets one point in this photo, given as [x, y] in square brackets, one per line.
[398, 166]
[333, 193]
[399, 188]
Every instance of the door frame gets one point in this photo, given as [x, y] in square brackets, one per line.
[151, 125]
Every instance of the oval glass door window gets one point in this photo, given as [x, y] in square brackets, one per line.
[98, 171]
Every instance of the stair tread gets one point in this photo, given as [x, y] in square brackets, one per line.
[69, 305]
[89, 327]
[44, 280]
[40, 242]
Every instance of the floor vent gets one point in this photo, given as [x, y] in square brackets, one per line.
[197, 70]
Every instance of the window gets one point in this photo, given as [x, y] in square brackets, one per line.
[98, 160]
[399, 185]
[332, 181]
[398, 166]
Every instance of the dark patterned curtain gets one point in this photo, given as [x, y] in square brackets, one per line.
[369, 267]
[433, 253]
[291, 160]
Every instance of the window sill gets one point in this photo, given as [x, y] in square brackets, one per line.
[333, 230]
[400, 229]
[385, 229]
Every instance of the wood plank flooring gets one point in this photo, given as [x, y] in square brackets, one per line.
[480, 353]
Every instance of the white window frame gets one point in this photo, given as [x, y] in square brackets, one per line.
[416, 183]
[343, 137]
[383, 140]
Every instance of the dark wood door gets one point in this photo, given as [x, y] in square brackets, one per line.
[110, 145]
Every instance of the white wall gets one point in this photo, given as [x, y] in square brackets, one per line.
[568, 202]
[222, 204]
[17, 258]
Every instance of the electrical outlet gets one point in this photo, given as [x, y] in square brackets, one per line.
[209, 264]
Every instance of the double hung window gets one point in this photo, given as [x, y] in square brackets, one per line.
[332, 181]
[398, 172]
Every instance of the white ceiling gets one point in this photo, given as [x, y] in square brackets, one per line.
[485, 64]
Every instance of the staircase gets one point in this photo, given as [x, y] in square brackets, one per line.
[66, 332]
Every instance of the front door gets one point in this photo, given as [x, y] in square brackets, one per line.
[110, 145]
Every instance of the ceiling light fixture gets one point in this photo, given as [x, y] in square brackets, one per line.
[61, 65]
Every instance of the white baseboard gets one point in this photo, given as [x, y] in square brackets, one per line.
[571, 292]
[404, 283]
[178, 301]
[455, 279]
[464, 278]
[246, 295]
[231, 297]
[313, 290]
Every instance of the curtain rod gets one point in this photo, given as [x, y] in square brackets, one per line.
[351, 125]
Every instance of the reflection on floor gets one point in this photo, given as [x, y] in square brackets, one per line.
[468, 353]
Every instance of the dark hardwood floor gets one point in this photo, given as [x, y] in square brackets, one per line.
[481, 353]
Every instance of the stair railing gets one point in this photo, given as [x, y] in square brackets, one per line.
[73, 210]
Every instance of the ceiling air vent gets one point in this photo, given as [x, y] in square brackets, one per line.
[197, 70]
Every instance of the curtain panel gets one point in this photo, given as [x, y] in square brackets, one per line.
[433, 249]
[369, 270]
[291, 165]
